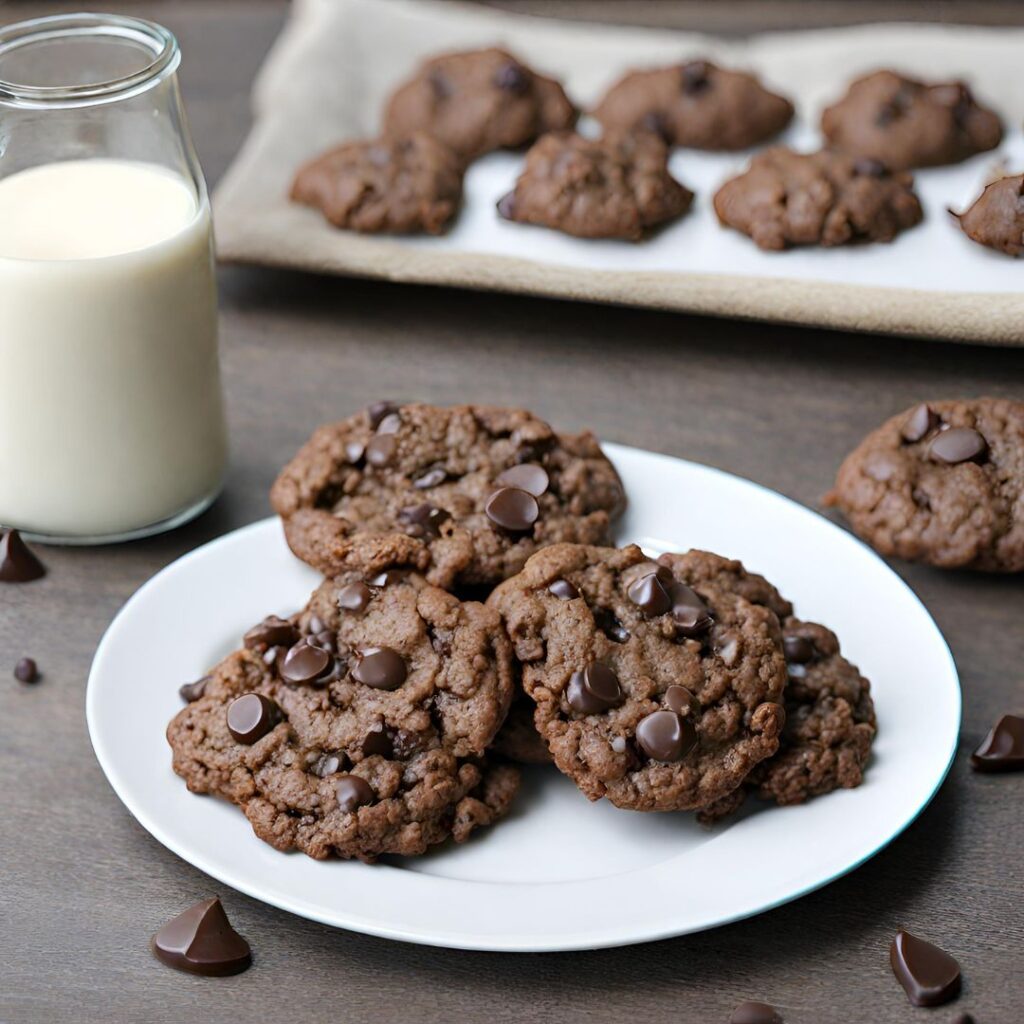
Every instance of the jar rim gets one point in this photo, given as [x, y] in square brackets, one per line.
[159, 41]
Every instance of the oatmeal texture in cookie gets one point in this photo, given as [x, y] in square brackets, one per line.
[787, 198]
[659, 691]
[696, 104]
[996, 218]
[906, 123]
[615, 187]
[466, 493]
[941, 483]
[353, 728]
[403, 186]
[478, 101]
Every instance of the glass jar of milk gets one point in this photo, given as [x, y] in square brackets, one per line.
[111, 421]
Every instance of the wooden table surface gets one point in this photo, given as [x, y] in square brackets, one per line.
[84, 886]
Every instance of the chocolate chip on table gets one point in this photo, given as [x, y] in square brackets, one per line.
[1002, 750]
[202, 941]
[326, 764]
[26, 671]
[353, 793]
[929, 975]
[755, 1013]
[506, 205]
[512, 78]
[380, 667]
[594, 689]
[423, 520]
[378, 410]
[430, 478]
[380, 449]
[798, 649]
[512, 509]
[527, 476]
[378, 741]
[18, 563]
[354, 597]
[193, 691]
[689, 612]
[963, 1018]
[563, 590]
[304, 663]
[271, 632]
[958, 444]
[251, 717]
[665, 736]
[680, 700]
[649, 594]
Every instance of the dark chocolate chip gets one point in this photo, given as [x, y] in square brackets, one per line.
[271, 632]
[798, 649]
[390, 424]
[682, 702]
[378, 410]
[251, 717]
[594, 689]
[386, 578]
[1002, 750]
[563, 589]
[869, 167]
[665, 736]
[354, 597]
[18, 563]
[695, 76]
[920, 422]
[304, 663]
[193, 691]
[963, 1018]
[423, 520]
[512, 509]
[315, 624]
[380, 667]
[378, 741]
[353, 792]
[380, 449]
[648, 593]
[430, 478]
[26, 671]
[202, 941]
[507, 205]
[355, 451]
[929, 975]
[270, 655]
[958, 444]
[755, 1013]
[326, 764]
[606, 621]
[689, 612]
[512, 78]
[527, 476]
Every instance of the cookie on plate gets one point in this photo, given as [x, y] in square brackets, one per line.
[658, 691]
[402, 186]
[941, 483]
[618, 186]
[696, 104]
[478, 101]
[353, 728]
[465, 493]
[996, 217]
[905, 123]
[787, 198]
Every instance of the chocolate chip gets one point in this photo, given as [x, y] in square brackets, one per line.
[695, 77]
[378, 410]
[512, 78]
[315, 624]
[271, 632]
[606, 621]
[798, 649]
[755, 1013]
[430, 478]
[193, 691]
[796, 670]
[920, 422]
[26, 671]
[18, 563]
[353, 597]
[527, 476]
[512, 509]
[423, 520]
[270, 656]
[682, 702]
[326, 764]
[379, 667]
[665, 736]
[958, 444]
[689, 612]
[929, 975]
[251, 717]
[390, 424]
[353, 792]
[386, 578]
[354, 452]
[202, 941]
[304, 663]
[594, 689]
[380, 449]
[378, 741]
[507, 205]
[1002, 750]
[869, 167]
[648, 593]
[563, 590]
[963, 1018]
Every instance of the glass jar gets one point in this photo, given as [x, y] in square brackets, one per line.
[111, 418]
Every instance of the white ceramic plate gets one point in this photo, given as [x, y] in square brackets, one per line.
[561, 873]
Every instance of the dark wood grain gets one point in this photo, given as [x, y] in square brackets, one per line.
[84, 886]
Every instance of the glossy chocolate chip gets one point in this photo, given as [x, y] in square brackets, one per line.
[648, 593]
[430, 478]
[26, 671]
[869, 167]
[353, 792]
[378, 410]
[1002, 750]
[18, 563]
[527, 476]
[958, 444]
[378, 741]
[606, 621]
[506, 205]
[929, 975]
[755, 1013]
[379, 667]
[355, 452]
[353, 597]
[594, 689]
[689, 612]
[326, 764]
[920, 422]
[271, 632]
[682, 702]
[512, 77]
[512, 509]
[695, 76]
[251, 717]
[665, 736]
[380, 449]
[563, 590]
[390, 424]
[386, 578]
[304, 663]
[202, 941]
[423, 520]
[193, 691]
[798, 649]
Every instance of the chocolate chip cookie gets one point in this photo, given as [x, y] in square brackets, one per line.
[466, 493]
[905, 123]
[787, 198]
[353, 727]
[996, 218]
[660, 691]
[941, 483]
[696, 104]
[400, 186]
[615, 187]
[478, 101]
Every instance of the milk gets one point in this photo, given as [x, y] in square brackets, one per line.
[110, 401]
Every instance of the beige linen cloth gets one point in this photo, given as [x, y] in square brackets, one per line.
[336, 61]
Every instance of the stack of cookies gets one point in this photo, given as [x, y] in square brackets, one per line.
[474, 613]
